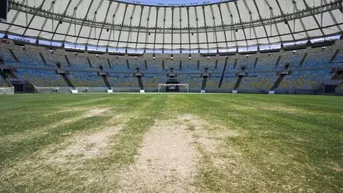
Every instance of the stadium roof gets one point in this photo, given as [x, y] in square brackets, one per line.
[142, 25]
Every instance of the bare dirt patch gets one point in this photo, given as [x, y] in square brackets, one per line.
[274, 108]
[170, 159]
[65, 110]
[85, 146]
[206, 129]
[167, 161]
[337, 167]
[86, 114]
[75, 157]
[95, 112]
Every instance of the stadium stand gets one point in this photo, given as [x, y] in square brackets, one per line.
[189, 65]
[154, 66]
[96, 62]
[229, 82]
[29, 58]
[80, 62]
[152, 80]
[53, 59]
[210, 64]
[261, 57]
[168, 64]
[310, 79]
[119, 64]
[3, 83]
[41, 78]
[134, 64]
[6, 56]
[212, 82]
[267, 61]
[86, 79]
[291, 59]
[260, 81]
[247, 62]
[262, 69]
[230, 64]
[123, 81]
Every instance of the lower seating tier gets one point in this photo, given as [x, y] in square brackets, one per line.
[86, 79]
[41, 78]
[3, 83]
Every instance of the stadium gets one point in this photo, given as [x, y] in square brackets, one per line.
[171, 96]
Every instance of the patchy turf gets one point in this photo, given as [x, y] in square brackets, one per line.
[171, 143]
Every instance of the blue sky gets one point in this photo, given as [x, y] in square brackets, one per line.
[166, 2]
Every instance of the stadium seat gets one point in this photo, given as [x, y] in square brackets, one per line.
[41, 78]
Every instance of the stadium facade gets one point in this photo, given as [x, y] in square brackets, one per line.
[254, 46]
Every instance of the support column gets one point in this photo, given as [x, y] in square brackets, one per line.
[205, 76]
[280, 79]
[139, 76]
[238, 82]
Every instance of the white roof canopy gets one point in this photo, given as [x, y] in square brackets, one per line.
[117, 24]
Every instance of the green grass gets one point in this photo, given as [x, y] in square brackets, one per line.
[278, 143]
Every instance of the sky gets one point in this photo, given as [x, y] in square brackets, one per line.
[168, 2]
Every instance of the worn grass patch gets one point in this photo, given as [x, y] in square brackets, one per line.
[166, 162]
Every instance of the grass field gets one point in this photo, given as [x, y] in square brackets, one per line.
[171, 143]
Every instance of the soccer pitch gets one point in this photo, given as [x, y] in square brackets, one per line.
[171, 143]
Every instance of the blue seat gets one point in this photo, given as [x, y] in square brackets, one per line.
[86, 79]
[41, 78]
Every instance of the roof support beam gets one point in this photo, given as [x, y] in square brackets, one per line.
[34, 15]
[314, 17]
[148, 32]
[43, 25]
[180, 16]
[272, 16]
[222, 21]
[295, 9]
[172, 31]
[58, 24]
[73, 22]
[85, 18]
[15, 16]
[260, 17]
[103, 25]
[111, 29]
[197, 27]
[140, 23]
[240, 20]
[189, 32]
[203, 11]
[214, 26]
[286, 21]
[164, 29]
[251, 28]
[122, 23]
[333, 17]
[156, 21]
[129, 40]
[233, 34]
[94, 19]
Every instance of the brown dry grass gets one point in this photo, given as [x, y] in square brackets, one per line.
[84, 146]
[174, 152]
[337, 167]
[167, 161]
[30, 133]
[221, 166]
